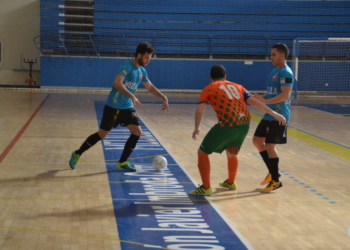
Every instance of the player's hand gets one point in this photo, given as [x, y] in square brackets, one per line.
[195, 133]
[259, 97]
[136, 102]
[280, 118]
[165, 104]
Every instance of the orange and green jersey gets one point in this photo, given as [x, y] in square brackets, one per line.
[228, 100]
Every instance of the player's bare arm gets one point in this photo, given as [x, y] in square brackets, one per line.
[198, 119]
[262, 97]
[260, 105]
[154, 91]
[283, 96]
[118, 84]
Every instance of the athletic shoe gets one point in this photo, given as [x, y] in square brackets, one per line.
[232, 186]
[74, 160]
[201, 191]
[268, 178]
[273, 185]
[126, 166]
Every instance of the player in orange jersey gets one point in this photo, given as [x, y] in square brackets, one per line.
[228, 100]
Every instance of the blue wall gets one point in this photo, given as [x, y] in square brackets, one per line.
[165, 74]
[188, 74]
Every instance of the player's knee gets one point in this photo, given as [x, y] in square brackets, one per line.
[135, 130]
[257, 141]
[102, 134]
[270, 147]
[137, 133]
[230, 154]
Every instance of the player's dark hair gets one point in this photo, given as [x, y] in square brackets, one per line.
[217, 72]
[144, 48]
[282, 48]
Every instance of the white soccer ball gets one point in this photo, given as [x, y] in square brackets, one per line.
[159, 163]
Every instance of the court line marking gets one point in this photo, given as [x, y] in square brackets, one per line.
[299, 182]
[213, 196]
[23, 129]
[329, 146]
[59, 137]
[201, 122]
[327, 113]
[151, 156]
[82, 235]
[220, 213]
[313, 140]
[83, 181]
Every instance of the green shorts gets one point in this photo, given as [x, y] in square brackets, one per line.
[220, 138]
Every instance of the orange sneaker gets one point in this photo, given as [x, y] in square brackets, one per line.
[268, 178]
[273, 185]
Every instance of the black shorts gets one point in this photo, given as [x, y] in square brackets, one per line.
[272, 131]
[113, 117]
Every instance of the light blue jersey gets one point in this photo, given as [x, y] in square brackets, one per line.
[133, 76]
[279, 78]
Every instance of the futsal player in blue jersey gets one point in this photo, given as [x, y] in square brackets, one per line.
[119, 108]
[277, 97]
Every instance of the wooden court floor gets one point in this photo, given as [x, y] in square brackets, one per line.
[46, 205]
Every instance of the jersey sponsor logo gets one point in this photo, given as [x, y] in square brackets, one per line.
[278, 108]
[115, 98]
[286, 80]
[130, 85]
[274, 78]
[141, 75]
[241, 115]
[124, 72]
[272, 90]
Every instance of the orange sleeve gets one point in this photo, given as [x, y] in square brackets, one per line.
[204, 96]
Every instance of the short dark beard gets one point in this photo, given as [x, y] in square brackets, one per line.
[140, 62]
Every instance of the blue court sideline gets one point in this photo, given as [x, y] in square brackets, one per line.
[153, 209]
[341, 109]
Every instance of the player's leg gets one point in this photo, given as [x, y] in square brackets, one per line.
[259, 142]
[277, 135]
[275, 182]
[109, 115]
[204, 168]
[131, 121]
[237, 136]
[204, 171]
[232, 166]
[214, 141]
[273, 159]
